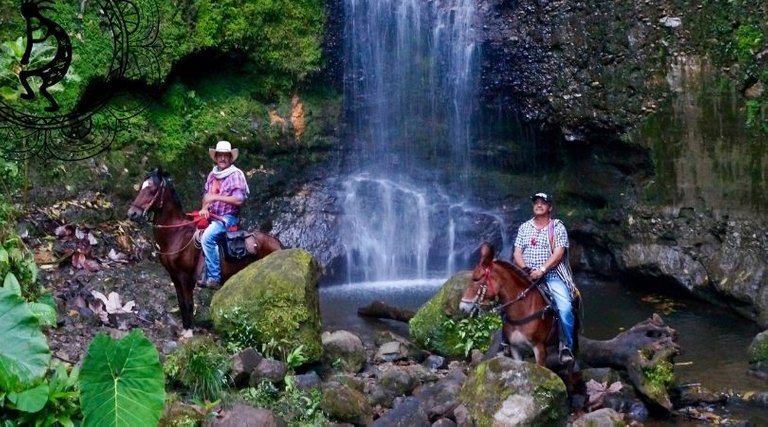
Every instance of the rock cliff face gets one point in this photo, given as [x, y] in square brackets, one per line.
[642, 109]
[599, 73]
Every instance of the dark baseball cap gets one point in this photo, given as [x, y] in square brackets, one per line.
[546, 198]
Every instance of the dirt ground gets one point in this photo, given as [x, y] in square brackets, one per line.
[78, 261]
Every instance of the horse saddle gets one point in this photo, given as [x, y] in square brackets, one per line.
[233, 245]
[202, 223]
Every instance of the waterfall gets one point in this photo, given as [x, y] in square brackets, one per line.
[410, 84]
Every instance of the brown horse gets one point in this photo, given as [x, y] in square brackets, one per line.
[528, 318]
[174, 236]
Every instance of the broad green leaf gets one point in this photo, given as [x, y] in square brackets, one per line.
[31, 400]
[24, 353]
[3, 256]
[121, 382]
[12, 283]
[45, 314]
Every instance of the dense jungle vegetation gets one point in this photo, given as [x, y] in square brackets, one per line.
[195, 71]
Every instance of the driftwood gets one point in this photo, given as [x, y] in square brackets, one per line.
[381, 310]
[642, 348]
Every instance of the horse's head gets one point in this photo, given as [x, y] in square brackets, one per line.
[481, 289]
[151, 195]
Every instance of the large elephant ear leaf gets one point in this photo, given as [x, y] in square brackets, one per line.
[121, 382]
[24, 353]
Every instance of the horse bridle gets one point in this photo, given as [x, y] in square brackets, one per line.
[482, 291]
[158, 195]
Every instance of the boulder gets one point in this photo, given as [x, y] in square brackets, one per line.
[345, 404]
[504, 391]
[428, 327]
[758, 355]
[344, 350]
[605, 417]
[274, 299]
[246, 416]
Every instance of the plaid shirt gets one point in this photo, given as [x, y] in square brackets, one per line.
[233, 185]
[535, 243]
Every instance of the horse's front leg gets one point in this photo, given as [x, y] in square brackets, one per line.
[540, 353]
[184, 287]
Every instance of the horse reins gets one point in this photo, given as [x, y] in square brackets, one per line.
[483, 290]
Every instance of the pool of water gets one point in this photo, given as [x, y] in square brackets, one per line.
[714, 342]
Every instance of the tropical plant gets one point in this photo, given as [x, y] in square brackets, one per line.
[296, 406]
[26, 268]
[296, 357]
[474, 332]
[243, 334]
[201, 365]
[23, 366]
[121, 382]
[53, 402]
[11, 53]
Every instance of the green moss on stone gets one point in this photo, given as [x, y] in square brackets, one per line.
[659, 377]
[277, 299]
[429, 328]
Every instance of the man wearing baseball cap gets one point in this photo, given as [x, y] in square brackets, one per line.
[540, 247]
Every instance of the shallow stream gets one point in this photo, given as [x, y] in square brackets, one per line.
[714, 342]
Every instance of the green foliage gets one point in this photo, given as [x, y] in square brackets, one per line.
[53, 402]
[121, 382]
[18, 270]
[296, 357]
[201, 365]
[659, 376]
[758, 349]
[242, 334]
[474, 332]
[749, 39]
[754, 113]
[297, 407]
[281, 37]
[23, 366]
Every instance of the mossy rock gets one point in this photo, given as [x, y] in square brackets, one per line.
[428, 327]
[504, 391]
[758, 349]
[278, 298]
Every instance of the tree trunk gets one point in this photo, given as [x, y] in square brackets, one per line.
[640, 351]
[381, 310]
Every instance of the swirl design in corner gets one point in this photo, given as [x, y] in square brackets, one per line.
[89, 126]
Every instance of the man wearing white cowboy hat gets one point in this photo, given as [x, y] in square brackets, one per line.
[224, 192]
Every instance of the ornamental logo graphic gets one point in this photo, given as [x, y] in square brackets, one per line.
[73, 73]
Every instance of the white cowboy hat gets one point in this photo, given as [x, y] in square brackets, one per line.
[223, 147]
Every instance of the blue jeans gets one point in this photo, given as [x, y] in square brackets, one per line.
[210, 242]
[562, 297]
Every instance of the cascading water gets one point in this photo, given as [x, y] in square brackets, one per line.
[411, 77]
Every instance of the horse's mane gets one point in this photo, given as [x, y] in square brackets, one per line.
[519, 272]
[158, 174]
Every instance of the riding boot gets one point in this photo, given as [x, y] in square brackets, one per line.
[566, 354]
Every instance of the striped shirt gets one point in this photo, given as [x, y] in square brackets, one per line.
[535, 244]
[232, 185]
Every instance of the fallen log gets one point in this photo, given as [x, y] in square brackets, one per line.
[645, 351]
[381, 310]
